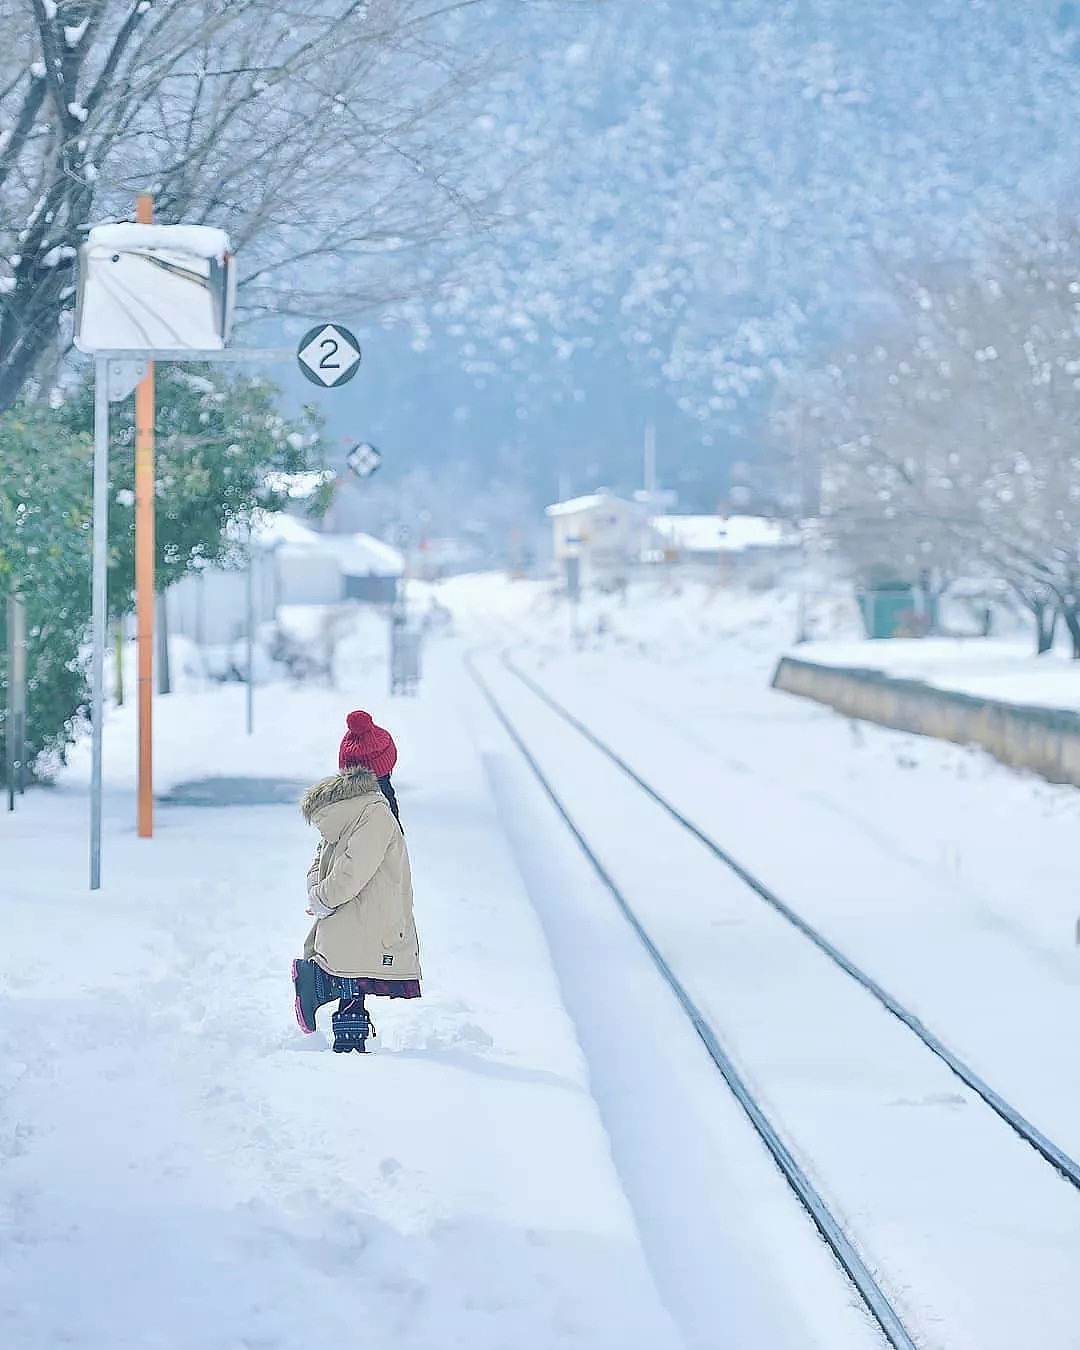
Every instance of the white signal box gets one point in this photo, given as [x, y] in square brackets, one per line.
[143, 288]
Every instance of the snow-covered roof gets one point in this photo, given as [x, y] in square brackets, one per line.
[721, 534]
[276, 529]
[203, 241]
[698, 534]
[576, 505]
[357, 555]
[361, 555]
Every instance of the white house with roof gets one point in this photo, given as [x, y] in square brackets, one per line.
[604, 531]
[370, 570]
[706, 537]
[735, 543]
[291, 564]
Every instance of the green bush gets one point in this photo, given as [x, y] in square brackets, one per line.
[217, 440]
[45, 507]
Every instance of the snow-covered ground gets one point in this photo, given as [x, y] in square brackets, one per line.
[540, 1153]
[179, 1167]
[949, 878]
[921, 1171]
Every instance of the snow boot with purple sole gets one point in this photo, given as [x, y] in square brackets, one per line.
[312, 989]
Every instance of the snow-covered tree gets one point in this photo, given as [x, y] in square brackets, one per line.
[715, 179]
[219, 443]
[951, 441]
[323, 134]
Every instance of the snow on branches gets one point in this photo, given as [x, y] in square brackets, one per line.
[947, 440]
[224, 111]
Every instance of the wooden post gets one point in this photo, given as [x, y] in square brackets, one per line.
[144, 571]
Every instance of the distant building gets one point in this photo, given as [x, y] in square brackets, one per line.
[736, 544]
[291, 565]
[604, 531]
[704, 537]
[370, 570]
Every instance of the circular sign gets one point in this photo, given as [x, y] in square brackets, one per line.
[328, 355]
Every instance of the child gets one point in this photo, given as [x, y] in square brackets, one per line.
[359, 890]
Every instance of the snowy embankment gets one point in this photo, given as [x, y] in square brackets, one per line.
[954, 691]
[1005, 670]
[179, 1167]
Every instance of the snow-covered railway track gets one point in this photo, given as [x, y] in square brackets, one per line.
[1056, 1156]
[878, 1248]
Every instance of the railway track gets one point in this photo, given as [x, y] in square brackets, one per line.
[832, 1230]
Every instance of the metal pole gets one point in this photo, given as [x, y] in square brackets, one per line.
[249, 600]
[800, 622]
[161, 642]
[145, 555]
[99, 606]
[18, 684]
[9, 719]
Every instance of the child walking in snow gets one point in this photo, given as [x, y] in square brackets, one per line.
[359, 890]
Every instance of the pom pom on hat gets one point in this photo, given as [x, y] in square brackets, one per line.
[366, 746]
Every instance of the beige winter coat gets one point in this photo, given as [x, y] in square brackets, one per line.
[361, 871]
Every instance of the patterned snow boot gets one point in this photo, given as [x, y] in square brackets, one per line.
[313, 988]
[352, 1026]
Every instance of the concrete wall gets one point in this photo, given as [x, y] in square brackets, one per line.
[1044, 741]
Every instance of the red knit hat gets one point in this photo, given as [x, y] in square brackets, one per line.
[366, 746]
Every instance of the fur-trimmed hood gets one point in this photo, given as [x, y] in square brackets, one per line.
[338, 788]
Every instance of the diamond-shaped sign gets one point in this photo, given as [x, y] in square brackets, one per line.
[329, 355]
[363, 459]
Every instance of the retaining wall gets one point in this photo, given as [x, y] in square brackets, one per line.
[1045, 741]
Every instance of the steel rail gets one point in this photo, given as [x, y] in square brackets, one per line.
[1065, 1165]
[844, 1250]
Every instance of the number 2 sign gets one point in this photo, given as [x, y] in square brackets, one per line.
[328, 355]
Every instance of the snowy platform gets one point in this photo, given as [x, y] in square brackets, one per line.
[180, 1167]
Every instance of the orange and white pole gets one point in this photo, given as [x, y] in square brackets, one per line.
[144, 570]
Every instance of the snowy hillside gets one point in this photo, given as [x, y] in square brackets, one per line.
[710, 187]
